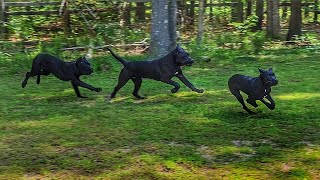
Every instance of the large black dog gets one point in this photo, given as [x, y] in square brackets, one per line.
[256, 88]
[44, 64]
[162, 69]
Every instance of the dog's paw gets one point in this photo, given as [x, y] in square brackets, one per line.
[109, 98]
[253, 103]
[98, 89]
[199, 90]
[84, 97]
[23, 84]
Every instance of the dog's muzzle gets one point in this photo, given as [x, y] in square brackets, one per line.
[188, 63]
[272, 83]
[275, 82]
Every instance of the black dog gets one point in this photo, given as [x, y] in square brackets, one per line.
[256, 88]
[44, 64]
[162, 69]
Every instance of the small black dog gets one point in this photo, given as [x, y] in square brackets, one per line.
[162, 69]
[44, 64]
[256, 88]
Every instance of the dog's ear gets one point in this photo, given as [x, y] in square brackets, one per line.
[78, 61]
[261, 70]
[271, 69]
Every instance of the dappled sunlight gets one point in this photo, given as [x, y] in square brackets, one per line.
[49, 133]
[119, 99]
[295, 96]
[57, 121]
[226, 154]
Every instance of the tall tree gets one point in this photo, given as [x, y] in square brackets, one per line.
[273, 23]
[284, 11]
[295, 19]
[237, 11]
[191, 12]
[249, 8]
[315, 17]
[200, 22]
[259, 13]
[141, 11]
[163, 27]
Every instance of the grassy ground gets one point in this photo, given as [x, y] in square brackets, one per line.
[46, 132]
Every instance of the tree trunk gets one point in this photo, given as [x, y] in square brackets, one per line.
[3, 30]
[249, 8]
[237, 11]
[163, 27]
[126, 13]
[240, 11]
[295, 19]
[141, 12]
[284, 11]
[211, 11]
[315, 17]
[66, 19]
[259, 13]
[273, 24]
[191, 13]
[306, 9]
[200, 22]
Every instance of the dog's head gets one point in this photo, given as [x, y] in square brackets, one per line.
[83, 66]
[182, 57]
[268, 77]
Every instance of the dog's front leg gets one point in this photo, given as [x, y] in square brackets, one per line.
[188, 83]
[85, 85]
[270, 105]
[76, 90]
[173, 83]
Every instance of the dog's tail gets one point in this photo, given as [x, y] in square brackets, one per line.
[124, 62]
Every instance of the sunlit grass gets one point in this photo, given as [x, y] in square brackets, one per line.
[297, 96]
[46, 132]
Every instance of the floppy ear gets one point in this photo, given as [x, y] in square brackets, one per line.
[260, 70]
[78, 61]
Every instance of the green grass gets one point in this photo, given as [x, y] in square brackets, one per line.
[46, 132]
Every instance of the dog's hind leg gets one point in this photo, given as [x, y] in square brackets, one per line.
[252, 101]
[237, 94]
[35, 70]
[25, 81]
[122, 80]
[44, 73]
[137, 84]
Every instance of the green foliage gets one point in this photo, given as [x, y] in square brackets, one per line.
[247, 25]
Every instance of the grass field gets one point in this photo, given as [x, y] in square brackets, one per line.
[46, 132]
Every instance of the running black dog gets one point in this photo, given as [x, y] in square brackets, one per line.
[256, 88]
[162, 69]
[44, 64]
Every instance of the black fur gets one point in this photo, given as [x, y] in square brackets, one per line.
[162, 69]
[44, 64]
[256, 88]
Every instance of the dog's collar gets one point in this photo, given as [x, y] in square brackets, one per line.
[265, 92]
